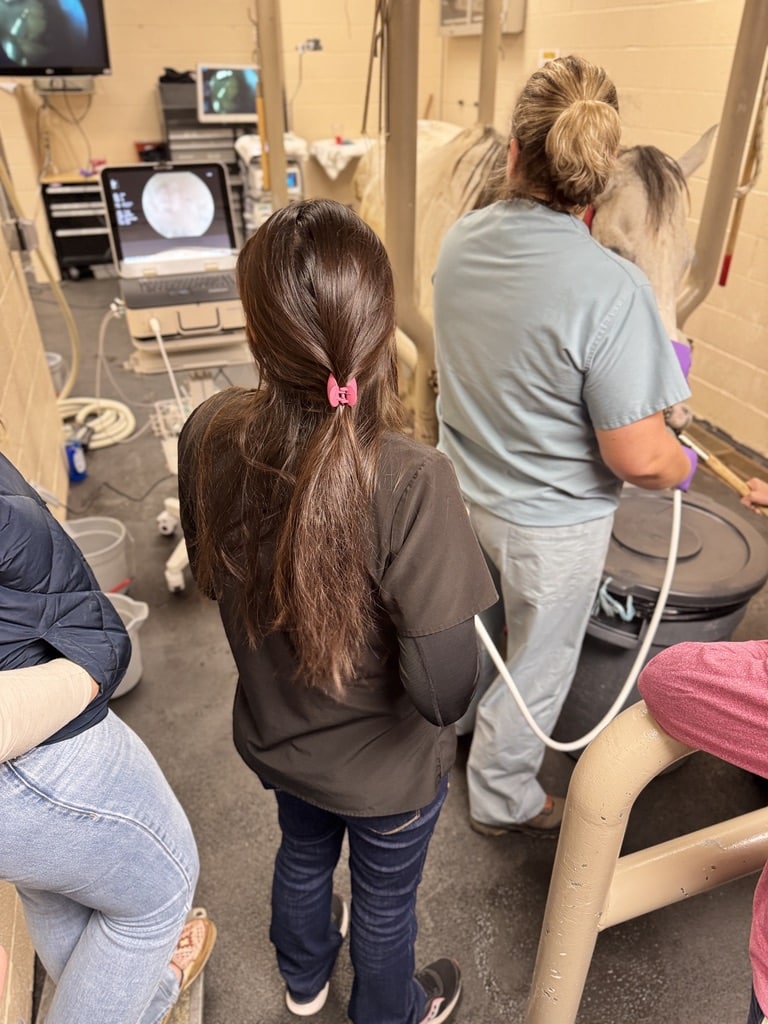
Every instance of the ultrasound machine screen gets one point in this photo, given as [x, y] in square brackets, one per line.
[166, 218]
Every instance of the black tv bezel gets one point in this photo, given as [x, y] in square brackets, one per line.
[95, 10]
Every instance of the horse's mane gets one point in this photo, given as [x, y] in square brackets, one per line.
[486, 170]
[661, 177]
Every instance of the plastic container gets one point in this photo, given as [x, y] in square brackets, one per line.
[722, 562]
[76, 464]
[104, 542]
[58, 370]
[134, 615]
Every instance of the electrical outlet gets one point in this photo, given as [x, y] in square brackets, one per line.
[309, 46]
[20, 235]
[547, 55]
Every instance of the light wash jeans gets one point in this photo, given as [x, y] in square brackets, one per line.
[105, 863]
[548, 579]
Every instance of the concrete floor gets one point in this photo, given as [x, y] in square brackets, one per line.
[482, 899]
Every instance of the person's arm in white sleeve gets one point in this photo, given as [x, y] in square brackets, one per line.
[37, 701]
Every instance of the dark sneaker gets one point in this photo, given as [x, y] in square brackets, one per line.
[546, 823]
[441, 981]
[340, 918]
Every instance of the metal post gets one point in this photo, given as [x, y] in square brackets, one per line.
[402, 56]
[743, 88]
[489, 61]
[272, 87]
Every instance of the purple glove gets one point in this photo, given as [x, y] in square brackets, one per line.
[693, 459]
[684, 356]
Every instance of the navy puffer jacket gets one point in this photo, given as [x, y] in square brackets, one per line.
[50, 602]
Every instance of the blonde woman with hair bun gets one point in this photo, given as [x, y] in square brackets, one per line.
[554, 370]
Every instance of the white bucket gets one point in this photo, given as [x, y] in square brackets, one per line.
[58, 370]
[103, 541]
[134, 614]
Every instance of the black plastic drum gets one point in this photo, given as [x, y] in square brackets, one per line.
[722, 561]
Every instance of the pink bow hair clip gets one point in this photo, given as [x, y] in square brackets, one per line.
[346, 395]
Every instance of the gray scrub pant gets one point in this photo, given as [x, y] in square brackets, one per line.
[548, 578]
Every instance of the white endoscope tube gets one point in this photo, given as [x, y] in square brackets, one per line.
[618, 704]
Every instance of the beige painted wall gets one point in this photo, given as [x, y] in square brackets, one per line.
[30, 432]
[16, 999]
[669, 58]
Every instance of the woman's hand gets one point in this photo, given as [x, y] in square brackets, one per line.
[757, 497]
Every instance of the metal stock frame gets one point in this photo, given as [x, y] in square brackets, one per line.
[593, 888]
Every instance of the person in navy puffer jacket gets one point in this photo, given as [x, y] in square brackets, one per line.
[94, 840]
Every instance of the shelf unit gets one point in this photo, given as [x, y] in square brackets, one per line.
[189, 141]
[77, 222]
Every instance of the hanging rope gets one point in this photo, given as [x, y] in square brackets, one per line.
[757, 143]
[378, 50]
[751, 175]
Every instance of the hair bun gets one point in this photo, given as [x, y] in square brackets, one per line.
[581, 149]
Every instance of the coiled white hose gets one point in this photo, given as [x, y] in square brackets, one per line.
[110, 421]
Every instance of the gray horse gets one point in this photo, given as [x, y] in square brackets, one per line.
[642, 214]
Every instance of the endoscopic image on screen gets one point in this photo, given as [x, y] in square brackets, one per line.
[230, 91]
[52, 37]
[178, 205]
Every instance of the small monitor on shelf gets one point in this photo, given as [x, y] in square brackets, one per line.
[226, 93]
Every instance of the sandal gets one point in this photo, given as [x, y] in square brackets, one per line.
[197, 939]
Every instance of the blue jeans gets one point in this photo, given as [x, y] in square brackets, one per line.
[105, 863]
[386, 859]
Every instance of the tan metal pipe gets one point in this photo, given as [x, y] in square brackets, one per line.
[490, 44]
[272, 87]
[743, 88]
[593, 888]
[684, 867]
[402, 56]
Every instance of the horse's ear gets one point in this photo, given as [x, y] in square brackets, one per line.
[697, 154]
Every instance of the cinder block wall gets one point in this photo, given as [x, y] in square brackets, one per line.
[30, 431]
[16, 1001]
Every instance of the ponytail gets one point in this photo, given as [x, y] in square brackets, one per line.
[321, 581]
[581, 149]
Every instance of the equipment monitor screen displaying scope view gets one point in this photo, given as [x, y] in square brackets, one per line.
[166, 218]
[226, 93]
[53, 38]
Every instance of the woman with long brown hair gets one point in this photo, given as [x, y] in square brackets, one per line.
[347, 577]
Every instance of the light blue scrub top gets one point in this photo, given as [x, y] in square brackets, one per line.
[541, 336]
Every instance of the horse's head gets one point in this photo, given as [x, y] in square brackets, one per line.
[643, 214]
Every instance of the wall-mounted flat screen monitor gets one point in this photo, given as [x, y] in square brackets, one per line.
[226, 93]
[53, 38]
